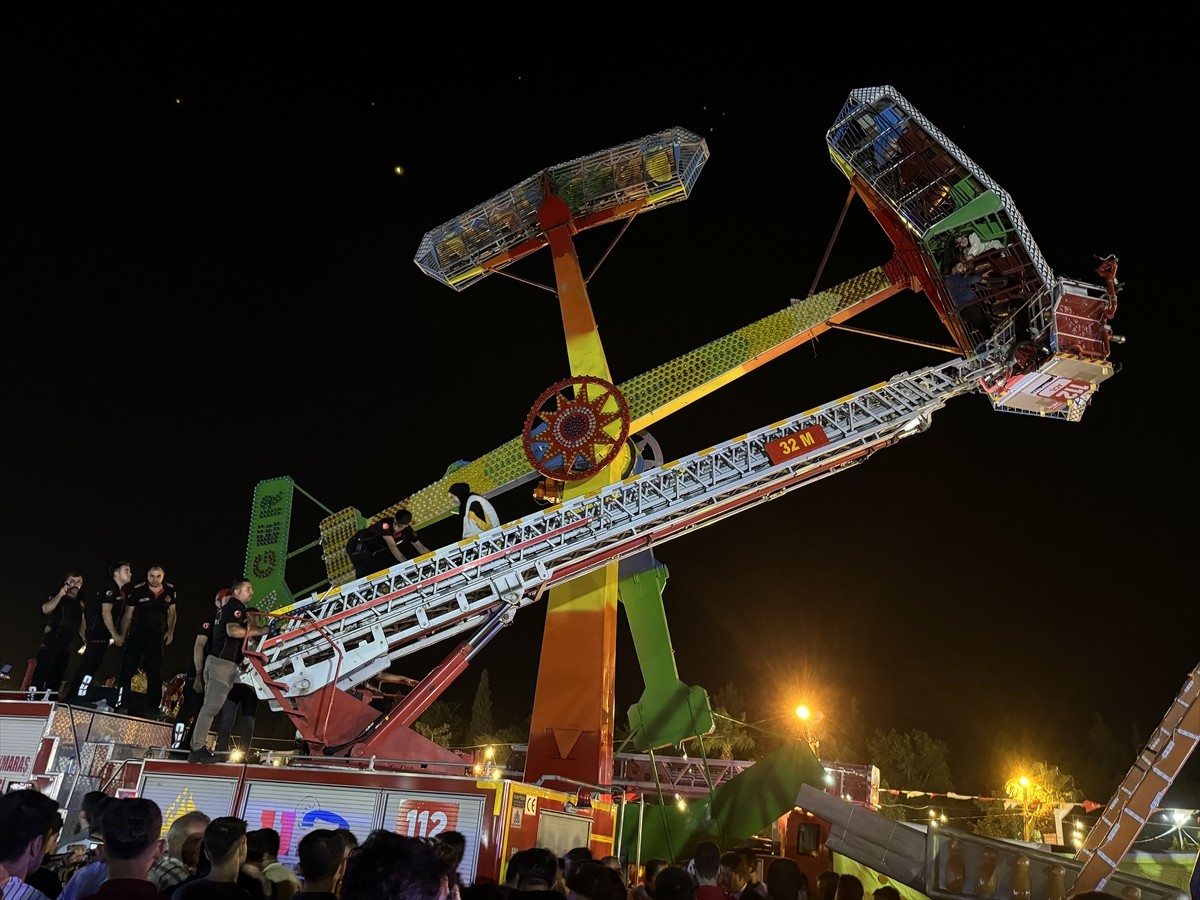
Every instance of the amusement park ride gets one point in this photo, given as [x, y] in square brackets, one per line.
[1040, 348]
[1046, 354]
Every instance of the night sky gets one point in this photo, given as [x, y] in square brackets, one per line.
[211, 282]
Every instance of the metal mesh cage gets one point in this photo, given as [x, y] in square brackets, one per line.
[654, 171]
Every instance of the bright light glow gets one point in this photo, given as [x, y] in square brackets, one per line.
[1023, 781]
[828, 779]
[803, 712]
[236, 756]
[490, 752]
[1180, 816]
[478, 769]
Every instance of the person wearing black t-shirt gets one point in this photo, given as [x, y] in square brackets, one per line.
[193, 686]
[102, 623]
[221, 667]
[65, 610]
[148, 626]
[384, 544]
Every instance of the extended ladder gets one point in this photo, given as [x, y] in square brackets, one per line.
[1142, 790]
[352, 632]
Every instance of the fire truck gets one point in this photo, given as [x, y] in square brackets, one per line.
[609, 499]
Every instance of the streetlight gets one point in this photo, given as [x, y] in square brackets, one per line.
[1025, 785]
[805, 715]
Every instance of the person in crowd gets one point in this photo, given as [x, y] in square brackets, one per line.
[886, 892]
[733, 876]
[456, 842]
[62, 633]
[171, 868]
[225, 849]
[674, 883]
[475, 510]
[148, 624]
[382, 544]
[190, 854]
[706, 866]
[132, 843]
[322, 862]
[573, 859]
[349, 838]
[89, 812]
[748, 868]
[221, 667]
[532, 869]
[827, 885]
[650, 870]
[283, 880]
[252, 867]
[785, 881]
[849, 887]
[388, 865]
[88, 878]
[27, 817]
[45, 878]
[592, 880]
[102, 630]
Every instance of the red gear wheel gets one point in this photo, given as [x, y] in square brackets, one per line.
[573, 439]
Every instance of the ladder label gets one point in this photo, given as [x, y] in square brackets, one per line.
[795, 445]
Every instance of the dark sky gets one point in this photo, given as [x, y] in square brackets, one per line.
[211, 282]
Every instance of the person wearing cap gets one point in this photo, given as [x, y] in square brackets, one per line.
[231, 630]
[102, 629]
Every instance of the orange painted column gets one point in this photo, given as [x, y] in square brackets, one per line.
[570, 737]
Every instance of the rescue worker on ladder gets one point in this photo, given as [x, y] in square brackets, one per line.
[383, 544]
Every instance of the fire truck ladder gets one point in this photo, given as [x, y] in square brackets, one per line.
[346, 635]
[1140, 793]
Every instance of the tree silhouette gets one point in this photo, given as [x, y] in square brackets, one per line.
[911, 760]
[481, 709]
[441, 723]
[730, 738]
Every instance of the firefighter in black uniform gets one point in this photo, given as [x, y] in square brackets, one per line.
[148, 626]
[62, 634]
[384, 544]
[102, 623]
[193, 687]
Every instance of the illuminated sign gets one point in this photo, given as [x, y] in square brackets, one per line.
[177, 795]
[296, 809]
